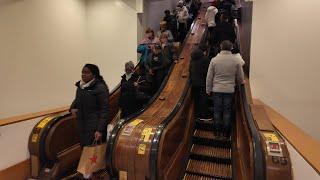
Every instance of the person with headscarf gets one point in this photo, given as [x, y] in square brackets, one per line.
[129, 84]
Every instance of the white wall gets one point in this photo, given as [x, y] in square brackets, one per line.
[44, 45]
[285, 59]
[14, 143]
[112, 27]
[300, 168]
[42, 48]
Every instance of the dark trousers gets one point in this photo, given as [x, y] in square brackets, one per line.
[210, 35]
[182, 29]
[222, 112]
[200, 101]
[129, 108]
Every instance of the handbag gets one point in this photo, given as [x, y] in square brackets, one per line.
[92, 158]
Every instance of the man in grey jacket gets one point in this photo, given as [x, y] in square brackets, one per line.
[223, 72]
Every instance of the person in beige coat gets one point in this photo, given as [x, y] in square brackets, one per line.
[225, 70]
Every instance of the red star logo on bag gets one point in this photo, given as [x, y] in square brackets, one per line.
[93, 159]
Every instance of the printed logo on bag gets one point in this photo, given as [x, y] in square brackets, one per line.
[93, 159]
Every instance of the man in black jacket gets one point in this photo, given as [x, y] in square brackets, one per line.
[198, 73]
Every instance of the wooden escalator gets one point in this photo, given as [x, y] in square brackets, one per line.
[163, 141]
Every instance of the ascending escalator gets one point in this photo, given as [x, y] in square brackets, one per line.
[210, 156]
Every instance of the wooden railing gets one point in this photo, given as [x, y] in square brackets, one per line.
[31, 116]
[305, 145]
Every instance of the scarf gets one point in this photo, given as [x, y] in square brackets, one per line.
[84, 84]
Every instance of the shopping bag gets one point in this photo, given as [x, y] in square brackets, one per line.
[92, 158]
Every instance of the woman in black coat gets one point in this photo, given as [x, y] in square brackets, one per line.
[91, 105]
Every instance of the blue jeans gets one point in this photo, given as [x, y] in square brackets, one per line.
[222, 111]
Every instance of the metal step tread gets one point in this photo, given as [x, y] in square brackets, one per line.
[208, 135]
[211, 151]
[190, 176]
[204, 121]
[209, 168]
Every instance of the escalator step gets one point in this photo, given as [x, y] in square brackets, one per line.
[204, 125]
[210, 159]
[209, 169]
[208, 135]
[189, 176]
[207, 138]
[211, 151]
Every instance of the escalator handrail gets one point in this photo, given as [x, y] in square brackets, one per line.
[157, 136]
[258, 155]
